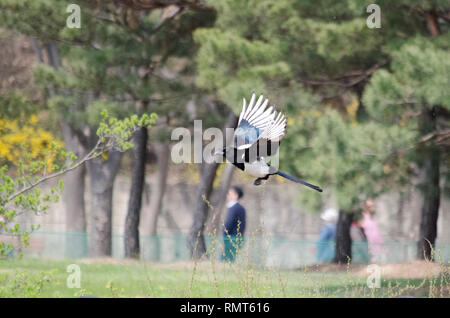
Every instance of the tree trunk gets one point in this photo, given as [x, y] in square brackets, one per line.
[219, 202]
[149, 223]
[197, 246]
[343, 238]
[73, 196]
[102, 174]
[74, 200]
[432, 23]
[430, 169]
[163, 151]
[131, 235]
[430, 189]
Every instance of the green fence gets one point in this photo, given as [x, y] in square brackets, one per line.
[270, 251]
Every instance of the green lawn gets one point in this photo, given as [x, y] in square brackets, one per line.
[30, 277]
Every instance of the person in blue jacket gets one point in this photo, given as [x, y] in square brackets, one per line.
[234, 225]
[327, 237]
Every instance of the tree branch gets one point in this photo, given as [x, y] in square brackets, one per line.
[347, 80]
[89, 156]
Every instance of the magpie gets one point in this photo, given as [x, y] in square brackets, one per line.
[257, 136]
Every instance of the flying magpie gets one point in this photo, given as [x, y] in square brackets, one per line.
[258, 135]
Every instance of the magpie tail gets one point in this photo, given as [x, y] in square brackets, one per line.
[284, 175]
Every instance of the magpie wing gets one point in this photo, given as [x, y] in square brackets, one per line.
[253, 121]
[276, 130]
[269, 141]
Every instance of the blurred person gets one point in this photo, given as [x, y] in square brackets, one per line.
[360, 246]
[371, 230]
[234, 225]
[327, 237]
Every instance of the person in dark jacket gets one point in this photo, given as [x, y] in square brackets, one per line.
[234, 225]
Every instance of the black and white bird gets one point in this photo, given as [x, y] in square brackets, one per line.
[257, 136]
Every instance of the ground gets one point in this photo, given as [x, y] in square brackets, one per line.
[109, 277]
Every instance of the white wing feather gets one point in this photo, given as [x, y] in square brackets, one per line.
[256, 114]
[269, 121]
[276, 129]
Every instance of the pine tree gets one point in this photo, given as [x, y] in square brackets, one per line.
[413, 94]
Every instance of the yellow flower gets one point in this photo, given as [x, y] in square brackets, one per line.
[17, 140]
[33, 119]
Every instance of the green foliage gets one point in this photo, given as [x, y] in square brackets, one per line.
[276, 44]
[16, 104]
[416, 83]
[115, 134]
[37, 18]
[418, 78]
[24, 284]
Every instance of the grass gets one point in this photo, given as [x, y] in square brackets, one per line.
[31, 277]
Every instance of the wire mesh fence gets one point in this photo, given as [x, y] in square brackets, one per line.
[267, 251]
